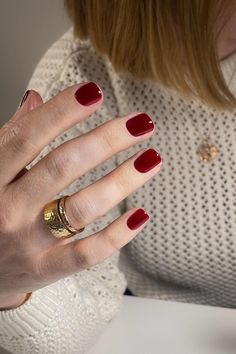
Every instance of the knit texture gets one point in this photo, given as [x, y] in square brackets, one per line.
[186, 252]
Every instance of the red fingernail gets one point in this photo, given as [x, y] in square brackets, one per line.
[148, 160]
[138, 218]
[88, 94]
[140, 124]
[24, 97]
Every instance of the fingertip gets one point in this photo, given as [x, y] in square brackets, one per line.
[137, 219]
[88, 94]
[24, 98]
[30, 100]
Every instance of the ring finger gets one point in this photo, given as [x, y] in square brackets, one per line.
[97, 199]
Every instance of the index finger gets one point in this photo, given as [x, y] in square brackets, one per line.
[22, 142]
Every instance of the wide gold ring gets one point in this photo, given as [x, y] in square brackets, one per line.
[56, 219]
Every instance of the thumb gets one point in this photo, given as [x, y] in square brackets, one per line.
[30, 100]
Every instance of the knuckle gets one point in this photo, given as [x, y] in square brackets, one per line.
[112, 240]
[123, 183]
[57, 108]
[9, 215]
[81, 211]
[107, 139]
[5, 222]
[39, 269]
[41, 266]
[81, 257]
[58, 165]
[18, 138]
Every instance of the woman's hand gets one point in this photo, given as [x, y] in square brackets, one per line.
[30, 256]
[33, 100]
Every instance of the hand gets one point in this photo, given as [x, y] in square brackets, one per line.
[30, 256]
[33, 100]
[11, 302]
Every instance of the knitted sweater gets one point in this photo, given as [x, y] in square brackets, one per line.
[186, 252]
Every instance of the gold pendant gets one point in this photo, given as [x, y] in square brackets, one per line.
[207, 151]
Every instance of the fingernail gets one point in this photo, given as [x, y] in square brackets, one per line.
[24, 98]
[88, 94]
[140, 124]
[138, 218]
[148, 160]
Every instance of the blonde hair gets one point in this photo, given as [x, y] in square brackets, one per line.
[170, 42]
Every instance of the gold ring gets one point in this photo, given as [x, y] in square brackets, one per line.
[56, 219]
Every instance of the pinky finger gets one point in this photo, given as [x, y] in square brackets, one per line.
[75, 256]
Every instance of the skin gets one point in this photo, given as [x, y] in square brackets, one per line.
[226, 44]
[17, 191]
[30, 256]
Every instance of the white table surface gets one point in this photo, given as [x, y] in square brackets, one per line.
[146, 326]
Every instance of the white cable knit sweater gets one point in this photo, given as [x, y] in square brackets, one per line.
[187, 251]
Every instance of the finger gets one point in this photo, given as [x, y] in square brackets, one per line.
[75, 256]
[22, 142]
[30, 101]
[75, 157]
[98, 198]
[20, 174]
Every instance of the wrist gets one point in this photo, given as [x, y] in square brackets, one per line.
[13, 301]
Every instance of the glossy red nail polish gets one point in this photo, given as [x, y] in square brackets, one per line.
[24, 97]
[88, 94]
[140, 124]
[149, 159]
[138, 218]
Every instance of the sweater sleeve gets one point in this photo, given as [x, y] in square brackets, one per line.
[68, 315]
